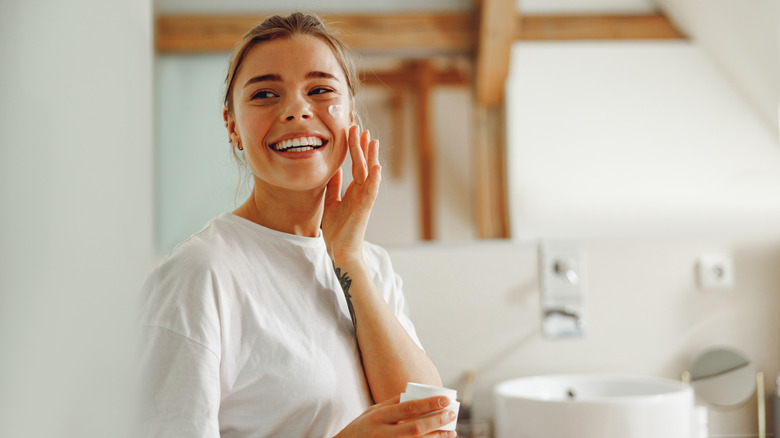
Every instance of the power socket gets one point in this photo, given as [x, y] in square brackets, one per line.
[715, 272]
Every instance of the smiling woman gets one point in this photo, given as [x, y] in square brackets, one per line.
[278, 115]
[278, 319]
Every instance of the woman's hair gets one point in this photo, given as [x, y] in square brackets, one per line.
[285, 27]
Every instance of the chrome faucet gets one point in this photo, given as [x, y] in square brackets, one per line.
[562, 322]
[565, 313]
[562, 288]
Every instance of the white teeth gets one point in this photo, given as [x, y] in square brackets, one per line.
[300, 144]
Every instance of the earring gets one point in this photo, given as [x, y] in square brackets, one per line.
[238, 145]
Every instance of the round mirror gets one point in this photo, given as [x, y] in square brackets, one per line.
[723, 377]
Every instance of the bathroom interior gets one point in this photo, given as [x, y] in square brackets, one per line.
[587, 187]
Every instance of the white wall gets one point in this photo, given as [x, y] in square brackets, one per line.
[476, 306]
[743, 38]
[75, 215]
[617, 138]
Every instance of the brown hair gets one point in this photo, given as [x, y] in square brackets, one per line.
[285, 27]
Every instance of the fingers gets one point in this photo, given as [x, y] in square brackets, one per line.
[415, 408]
[375, 168]
[373, 153]
[414, 418]
[427, 425]
[333, 189]
[359, 168]
[365, 137]
[364, 153]
[374, 177]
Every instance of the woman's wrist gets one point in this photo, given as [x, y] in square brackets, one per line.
[347, 258]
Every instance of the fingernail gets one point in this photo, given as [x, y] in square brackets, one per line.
[450, 415]
[444, 401]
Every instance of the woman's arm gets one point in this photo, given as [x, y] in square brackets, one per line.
[390, 357]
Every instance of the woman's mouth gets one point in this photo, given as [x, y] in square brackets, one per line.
[299, 144]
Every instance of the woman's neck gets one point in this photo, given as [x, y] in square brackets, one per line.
[298, 213]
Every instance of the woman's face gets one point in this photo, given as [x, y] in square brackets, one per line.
[282, 94]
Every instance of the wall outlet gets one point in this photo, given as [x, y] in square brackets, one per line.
[715, 272]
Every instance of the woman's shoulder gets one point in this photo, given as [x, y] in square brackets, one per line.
[184, 284]
[205, 247]
[194, 261]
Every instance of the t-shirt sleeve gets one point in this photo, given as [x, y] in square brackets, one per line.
[401, 310]
[178, 352]
[391, 286]
[179, 392]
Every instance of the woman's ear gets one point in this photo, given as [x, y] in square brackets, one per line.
[230, 125]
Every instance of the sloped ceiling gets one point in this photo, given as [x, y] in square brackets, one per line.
[743, 38]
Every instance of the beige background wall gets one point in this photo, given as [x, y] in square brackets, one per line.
[476, 306]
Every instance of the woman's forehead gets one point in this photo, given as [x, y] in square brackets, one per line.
[290, 58]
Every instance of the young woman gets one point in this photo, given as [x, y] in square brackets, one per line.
[278, 319]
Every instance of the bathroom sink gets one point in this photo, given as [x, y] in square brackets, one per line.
[593, 406]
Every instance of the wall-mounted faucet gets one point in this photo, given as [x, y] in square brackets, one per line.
[566, 313]
[561, 281]
[566, 269]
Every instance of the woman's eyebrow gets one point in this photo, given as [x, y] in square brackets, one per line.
[320, 75]
[263, 78]
[272, 77]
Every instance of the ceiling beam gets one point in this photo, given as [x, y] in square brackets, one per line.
[494, 41]
[456, 32]
[363, 32]
[594, 27]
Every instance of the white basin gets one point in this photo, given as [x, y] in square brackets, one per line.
[593, 406]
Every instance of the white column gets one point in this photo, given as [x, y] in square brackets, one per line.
[75, 211]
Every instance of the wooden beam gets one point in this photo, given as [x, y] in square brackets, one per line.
[363, 32]
[425, 150]
[496, 32]
[481, 167]
[595, 27]
[454, 32]
[398, 107]
[490, 192]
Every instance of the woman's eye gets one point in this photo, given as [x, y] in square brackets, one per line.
[263, 94]
[320, 90]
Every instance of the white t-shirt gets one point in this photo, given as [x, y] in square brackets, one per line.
[245, 332]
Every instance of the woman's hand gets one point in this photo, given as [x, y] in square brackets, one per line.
[393, 419]
[344, 220]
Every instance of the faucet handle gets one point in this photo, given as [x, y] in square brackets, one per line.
[565, 267]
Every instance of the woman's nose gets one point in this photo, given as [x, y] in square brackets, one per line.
[297, 108]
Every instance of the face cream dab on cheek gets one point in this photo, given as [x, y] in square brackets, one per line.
[336, 111]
